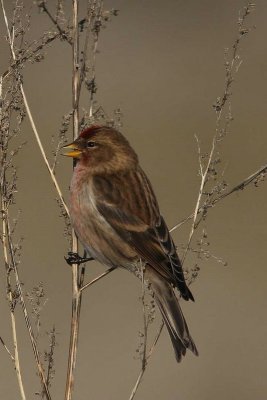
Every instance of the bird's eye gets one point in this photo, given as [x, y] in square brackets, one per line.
[91, 144]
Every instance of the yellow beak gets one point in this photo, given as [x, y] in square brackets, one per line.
[75, 153]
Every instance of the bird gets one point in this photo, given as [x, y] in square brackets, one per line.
[116, 216]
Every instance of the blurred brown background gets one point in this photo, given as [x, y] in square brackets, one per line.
[162, 63]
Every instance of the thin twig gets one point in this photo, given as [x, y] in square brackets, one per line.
[50, 356]
[76, 278]
[10, 298]
[144, 337]
[231, 69]
[137, 383]
[204, 171]
[37, 137]
[152, 348]
[148, 355]
[61, 31]
[93, 85]
[204, 174]
[240, 186]
[90, 9]
[250, 179]
[97, 278]
[20, 61]
[7, 349]
[5, 243]
[25, 312]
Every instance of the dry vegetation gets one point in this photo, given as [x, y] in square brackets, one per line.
[81, 33]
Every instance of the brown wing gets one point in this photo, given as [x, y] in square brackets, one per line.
[128, 203]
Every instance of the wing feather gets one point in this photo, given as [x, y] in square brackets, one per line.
[129, 205]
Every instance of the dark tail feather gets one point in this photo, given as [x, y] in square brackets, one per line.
[172, 314]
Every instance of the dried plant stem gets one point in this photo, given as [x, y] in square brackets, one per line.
[144, 365]
[137, 383]
[50, 354]
[5, 242]
[232, 68]
[62, 33]
[250, 179]
[204, 171]
[86, 43]
[20, 61]
[240, 186]
[75, 321]
[12, 266]
[24, 309]
[145, 354]
[37, 137]
[98, 278]
[145, 329]
[152, 348]
[96, 37]
[14, 358]
[203, 174]
[7, 349]
[16, 352]
[77, 277]
[145, 321]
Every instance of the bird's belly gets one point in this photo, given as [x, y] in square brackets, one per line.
[97, 236]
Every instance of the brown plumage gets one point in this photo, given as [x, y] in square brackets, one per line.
[116, 216]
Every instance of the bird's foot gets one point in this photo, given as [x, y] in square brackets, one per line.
[74, 258]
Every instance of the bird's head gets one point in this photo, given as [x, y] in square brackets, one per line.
[102, 149]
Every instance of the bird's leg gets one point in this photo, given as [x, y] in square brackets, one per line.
[74, 258]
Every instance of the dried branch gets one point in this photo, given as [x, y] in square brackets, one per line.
[251, 179]
[88, 20]
[203, 173]
[61, 138]
[63, 34]
[77, 276]
[207, 170]
[10, 295]
[24, 309]
[97, 278]
[23, 58]
[231, 68]
[143, 369]
[5, 201]
[148, 317]
[49, 357]
[9, 248]
[144, 366]
[137, 383]
[7, 349]
[37, 137]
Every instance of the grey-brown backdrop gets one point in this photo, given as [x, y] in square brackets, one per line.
[162, 63]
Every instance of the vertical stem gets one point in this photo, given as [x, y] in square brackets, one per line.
[204, 175]
[75, 69]
[12, 311]
[145, 322]
[24, 310]
[144, 355]
[52, 175]
[76, 278]
[137, 383]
